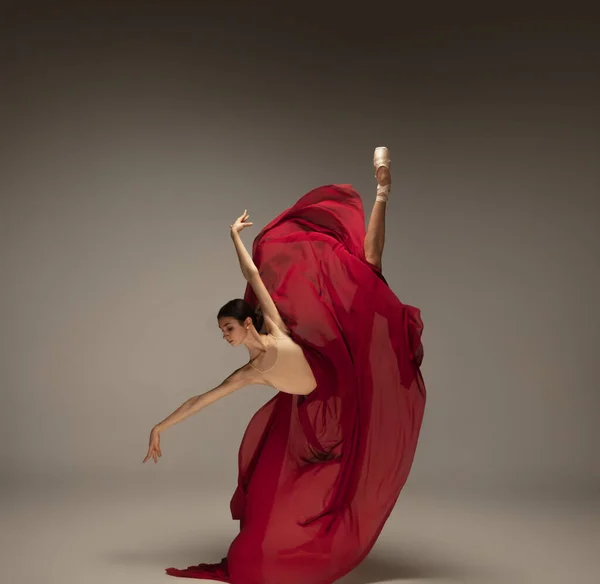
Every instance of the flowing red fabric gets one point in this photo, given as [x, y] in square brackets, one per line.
[320, 474]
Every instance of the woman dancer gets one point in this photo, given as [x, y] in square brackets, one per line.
[322, 463]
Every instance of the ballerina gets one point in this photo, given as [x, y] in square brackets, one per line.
[322, 463]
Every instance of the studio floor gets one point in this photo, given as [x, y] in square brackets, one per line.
[128, 532]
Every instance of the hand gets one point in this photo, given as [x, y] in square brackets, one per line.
[154, 446]
[241, 222]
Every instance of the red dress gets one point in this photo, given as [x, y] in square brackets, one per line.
[320, 474]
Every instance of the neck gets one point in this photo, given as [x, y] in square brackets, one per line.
[254, 341]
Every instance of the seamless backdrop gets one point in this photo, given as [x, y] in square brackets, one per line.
[133, 136]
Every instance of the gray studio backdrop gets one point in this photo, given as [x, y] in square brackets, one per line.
[130, 145]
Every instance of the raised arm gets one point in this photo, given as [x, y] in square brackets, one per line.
[245, 375]
[247, 266]
[252, 276]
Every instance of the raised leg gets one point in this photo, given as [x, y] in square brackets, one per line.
[375, 237]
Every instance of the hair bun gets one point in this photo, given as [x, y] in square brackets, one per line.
[241, 310]
[259, 319]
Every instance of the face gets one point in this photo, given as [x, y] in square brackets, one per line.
[234, 332]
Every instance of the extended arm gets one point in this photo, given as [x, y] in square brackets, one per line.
[243, 376]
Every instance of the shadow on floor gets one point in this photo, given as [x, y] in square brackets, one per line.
[389, 566]
[380, 566]
[180, 556]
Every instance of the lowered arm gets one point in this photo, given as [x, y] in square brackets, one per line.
[241, 377]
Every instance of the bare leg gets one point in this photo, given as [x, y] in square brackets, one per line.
[375, 237]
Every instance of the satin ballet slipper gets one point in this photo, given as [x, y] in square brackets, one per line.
[381, 160]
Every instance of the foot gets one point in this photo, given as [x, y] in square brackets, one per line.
[381, 162]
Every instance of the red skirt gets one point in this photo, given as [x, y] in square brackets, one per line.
[320, 474]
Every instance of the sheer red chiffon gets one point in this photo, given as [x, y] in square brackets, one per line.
[320, 474]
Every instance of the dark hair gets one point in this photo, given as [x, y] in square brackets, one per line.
[241, 310]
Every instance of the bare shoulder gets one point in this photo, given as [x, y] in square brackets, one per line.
[241, 377]
[245, 375]
[277, 327]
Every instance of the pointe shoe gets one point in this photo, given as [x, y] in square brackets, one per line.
[381, 160]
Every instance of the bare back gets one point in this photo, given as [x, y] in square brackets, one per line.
[283, 366]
